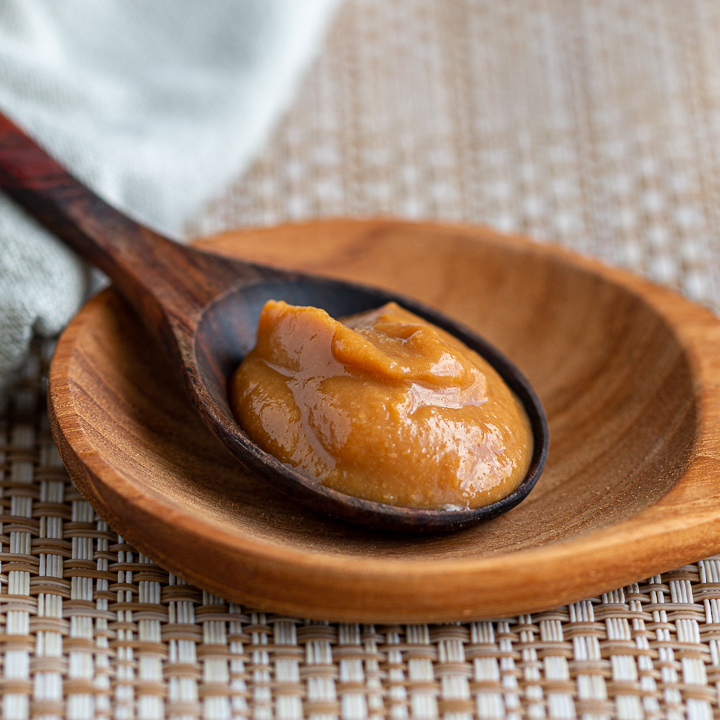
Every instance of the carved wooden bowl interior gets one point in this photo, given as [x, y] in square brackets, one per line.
[628, 373]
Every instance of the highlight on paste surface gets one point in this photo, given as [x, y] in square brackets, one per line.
[383, 405]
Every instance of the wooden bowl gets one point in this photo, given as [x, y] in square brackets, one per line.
[628, 373]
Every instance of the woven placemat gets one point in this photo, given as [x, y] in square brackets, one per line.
[593, 124]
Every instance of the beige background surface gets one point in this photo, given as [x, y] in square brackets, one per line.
[593, 124]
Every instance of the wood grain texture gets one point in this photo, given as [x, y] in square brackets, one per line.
[627, 371]
[166, 282]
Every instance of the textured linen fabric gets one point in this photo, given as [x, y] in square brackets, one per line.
[153, 104]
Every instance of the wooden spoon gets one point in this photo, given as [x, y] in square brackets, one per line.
[203, 308]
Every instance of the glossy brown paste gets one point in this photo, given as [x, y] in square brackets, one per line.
[383, 406]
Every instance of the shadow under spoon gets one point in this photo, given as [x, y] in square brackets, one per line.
[204, 309]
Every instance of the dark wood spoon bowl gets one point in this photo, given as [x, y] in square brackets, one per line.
[204, 309]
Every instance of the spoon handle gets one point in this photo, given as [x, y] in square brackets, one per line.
[155, 274]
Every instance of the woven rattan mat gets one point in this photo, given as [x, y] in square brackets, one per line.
[595, 124]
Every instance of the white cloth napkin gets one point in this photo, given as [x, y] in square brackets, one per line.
[155, 105]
